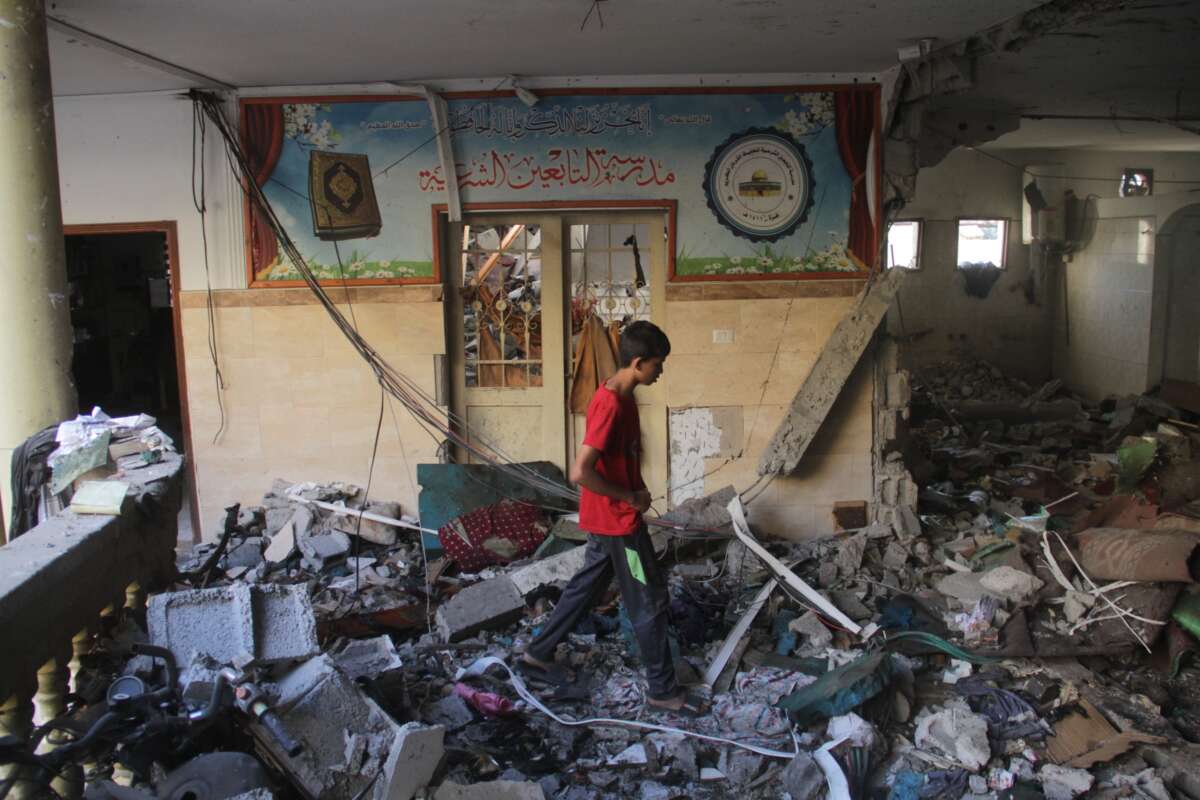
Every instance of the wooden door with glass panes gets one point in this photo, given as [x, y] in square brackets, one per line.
[522, 289]
[618, 274]
[505, 298]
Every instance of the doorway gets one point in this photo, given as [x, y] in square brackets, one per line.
[123, 284]
[1178, 275]
[527, 290]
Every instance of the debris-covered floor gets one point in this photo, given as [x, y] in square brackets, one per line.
[1027, 631]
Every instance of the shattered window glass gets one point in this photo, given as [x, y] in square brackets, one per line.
[502, 305]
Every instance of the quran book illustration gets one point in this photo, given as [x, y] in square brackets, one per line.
[342, 196]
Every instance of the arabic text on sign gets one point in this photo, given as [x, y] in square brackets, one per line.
[591, 167]
[493, 120]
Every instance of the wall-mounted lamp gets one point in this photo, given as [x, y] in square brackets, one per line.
[524, 95]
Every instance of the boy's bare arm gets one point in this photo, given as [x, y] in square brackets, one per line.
[583, 472]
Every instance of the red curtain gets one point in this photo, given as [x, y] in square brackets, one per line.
[263, 140]
[855, 124]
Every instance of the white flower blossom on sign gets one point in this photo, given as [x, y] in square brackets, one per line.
[816, 114]
[300, 123]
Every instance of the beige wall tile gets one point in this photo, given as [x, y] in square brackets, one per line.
[302, 405]
[291, 331]
[294, 431]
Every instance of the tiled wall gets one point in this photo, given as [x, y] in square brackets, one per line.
[791, 332]
[299, 402]
[1102, 331]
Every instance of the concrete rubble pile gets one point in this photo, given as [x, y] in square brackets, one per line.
[973, 648]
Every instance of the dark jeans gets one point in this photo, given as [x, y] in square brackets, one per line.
[643, 592]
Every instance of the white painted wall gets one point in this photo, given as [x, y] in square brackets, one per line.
[1002, 328]
[1092, 323]
[1107, 311]
[127, 158]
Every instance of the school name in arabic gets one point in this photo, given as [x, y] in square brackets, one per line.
[495, 120]
[562, 167]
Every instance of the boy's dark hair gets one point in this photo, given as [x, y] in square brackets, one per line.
[643, 339]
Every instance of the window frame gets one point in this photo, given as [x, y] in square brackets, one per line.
[920, 252]
[958, 221]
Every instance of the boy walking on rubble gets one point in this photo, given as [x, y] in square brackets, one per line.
[613, 498]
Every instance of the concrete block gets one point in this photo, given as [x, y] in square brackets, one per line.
[285, 628]
[282, 543]
[368, 658]
[451, 712]
[555, 569]
[269, 623]
[370, 530]
[490, 604]
[218, 623]
[348, 741]
[276, 518]
[248, 553]
[493, 790]
[414, 757]
[323, 548]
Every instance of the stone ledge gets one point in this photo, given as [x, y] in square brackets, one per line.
[55, 579]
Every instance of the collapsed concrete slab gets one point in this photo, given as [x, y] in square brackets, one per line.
[351, 748]
[824, 383]
[555, 569]
[490, 604]
[265, 624]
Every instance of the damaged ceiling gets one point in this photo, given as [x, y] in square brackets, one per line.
[1100, 74]
[285, 42]
[1092, 73]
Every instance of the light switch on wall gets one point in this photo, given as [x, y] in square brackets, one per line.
[722, 336]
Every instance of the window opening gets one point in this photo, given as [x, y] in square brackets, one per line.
[1137, 182]
[502, 305]
[982, 243]
[904, 244]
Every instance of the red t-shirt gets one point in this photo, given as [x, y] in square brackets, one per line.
[613, 429]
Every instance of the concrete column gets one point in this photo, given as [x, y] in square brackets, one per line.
[35, 322]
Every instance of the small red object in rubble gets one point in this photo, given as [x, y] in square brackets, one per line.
[486, 703]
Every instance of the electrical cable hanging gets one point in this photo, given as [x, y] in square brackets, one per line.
[201, 204]
[440, 423]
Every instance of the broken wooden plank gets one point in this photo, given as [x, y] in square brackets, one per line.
[824, 383]
[742, 529]
[735, 635]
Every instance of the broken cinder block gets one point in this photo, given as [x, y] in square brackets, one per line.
[490, 604]
[269, 624]
[351, 747]
[555, 569]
